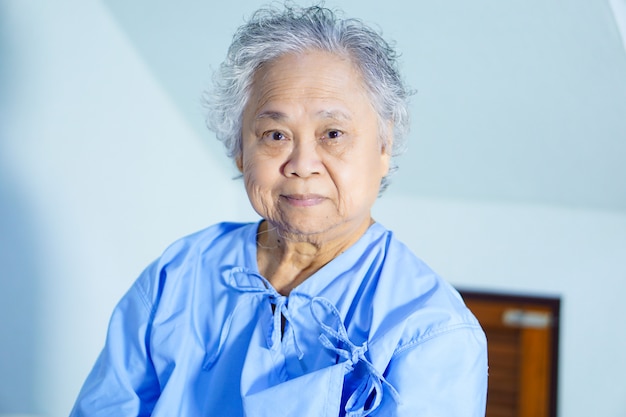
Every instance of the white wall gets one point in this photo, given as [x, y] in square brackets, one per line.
[99, 171]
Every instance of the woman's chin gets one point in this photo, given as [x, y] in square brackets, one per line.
[304, 227]
[315, 229]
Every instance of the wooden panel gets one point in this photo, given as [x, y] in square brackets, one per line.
[522, 353]
[535, 373]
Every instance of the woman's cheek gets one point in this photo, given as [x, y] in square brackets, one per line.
[259, 197]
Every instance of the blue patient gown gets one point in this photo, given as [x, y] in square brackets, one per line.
[202, 333]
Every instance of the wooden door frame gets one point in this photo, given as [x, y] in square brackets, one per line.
[553, 303]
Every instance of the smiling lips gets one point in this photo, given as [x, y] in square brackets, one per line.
[303, 200]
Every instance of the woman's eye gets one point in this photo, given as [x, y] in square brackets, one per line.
[333, 134]
[274, 135]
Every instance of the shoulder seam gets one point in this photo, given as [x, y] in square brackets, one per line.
[431, 335]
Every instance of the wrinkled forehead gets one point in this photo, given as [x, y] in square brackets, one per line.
[312, 74]
[315, 61]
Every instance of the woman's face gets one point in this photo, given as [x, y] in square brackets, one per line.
[312, 159]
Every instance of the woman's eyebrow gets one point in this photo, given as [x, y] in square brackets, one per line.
[334, 114]
[270, 114]
[322, 114]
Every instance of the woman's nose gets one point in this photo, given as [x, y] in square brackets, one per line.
[304, 160]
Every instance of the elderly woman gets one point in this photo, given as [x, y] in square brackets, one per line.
[316, 310]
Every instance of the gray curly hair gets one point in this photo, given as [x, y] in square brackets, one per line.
[271, 33]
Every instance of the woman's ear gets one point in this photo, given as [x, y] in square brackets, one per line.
[386, 149]
[239, 162]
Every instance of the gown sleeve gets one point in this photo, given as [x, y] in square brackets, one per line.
[123, 381]
[445, 376]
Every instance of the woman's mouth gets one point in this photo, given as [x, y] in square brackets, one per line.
[303, 200]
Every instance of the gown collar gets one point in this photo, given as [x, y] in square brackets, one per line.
[317, 282]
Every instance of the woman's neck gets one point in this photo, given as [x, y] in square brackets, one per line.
[286, 262]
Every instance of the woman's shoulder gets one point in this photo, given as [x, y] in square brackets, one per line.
[414, 300]
[202, 250]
